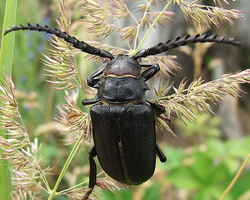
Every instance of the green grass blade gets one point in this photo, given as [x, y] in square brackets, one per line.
[6, 58]
[7, 43]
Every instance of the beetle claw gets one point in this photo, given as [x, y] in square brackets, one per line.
[86, 196]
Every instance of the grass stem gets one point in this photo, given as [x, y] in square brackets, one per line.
[6, 59]
[65, 167]
[152, 25]
[235, 178]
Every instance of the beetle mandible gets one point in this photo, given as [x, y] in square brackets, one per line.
[123, 120]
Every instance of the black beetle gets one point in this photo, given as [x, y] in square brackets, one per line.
[123, 120]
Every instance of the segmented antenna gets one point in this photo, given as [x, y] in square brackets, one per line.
[187, 39]
[63, 35]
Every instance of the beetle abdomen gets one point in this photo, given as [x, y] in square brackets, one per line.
[124, 137]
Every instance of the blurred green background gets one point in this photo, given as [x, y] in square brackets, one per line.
[204, 157]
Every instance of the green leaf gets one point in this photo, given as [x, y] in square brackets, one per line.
[152, 192]
[7, 43]
[175, 157]
[5, 181]
[183, 178]
[241, 186]
[216, 147]
[107, 195]
[126, 194]
[118, 195]
[202, 167]
[219, 174]
[215, 191]
[239, 147]
[202, 194]
[226, 152]
[232, 164]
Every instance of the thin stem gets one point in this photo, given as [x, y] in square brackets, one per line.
[45, 181]
[78, 185]
[152, 25]
[25, 133]
[78, 78]
[136, 36]
[139, 24]
[235, 178]
[65, 167]
[121, 33]
[131, 14]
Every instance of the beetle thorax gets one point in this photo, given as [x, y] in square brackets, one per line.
[122, 66]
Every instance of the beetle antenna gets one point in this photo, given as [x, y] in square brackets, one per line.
[182, 41]
[83, 46]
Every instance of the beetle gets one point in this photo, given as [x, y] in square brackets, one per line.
[123, 120]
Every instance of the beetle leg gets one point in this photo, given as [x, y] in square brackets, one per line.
[92, 80]
[157, 108]
[160, 154]
[92, 174]
[93, 152]
[146, 64]
[151, 71]
[89, 101]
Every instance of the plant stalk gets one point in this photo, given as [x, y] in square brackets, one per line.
[152, 25]
[65, 167]
[235, 178]
[6, 59]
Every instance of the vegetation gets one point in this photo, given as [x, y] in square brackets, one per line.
[42, 140]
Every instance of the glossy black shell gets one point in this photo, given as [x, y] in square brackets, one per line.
[123, 123]
[123, 64]
[122, 90]
[124, 137]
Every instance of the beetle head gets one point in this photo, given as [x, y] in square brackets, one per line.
[123, 65]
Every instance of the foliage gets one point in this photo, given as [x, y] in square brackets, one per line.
[206, 16]
[6, 59]
[196, 96]
[102, 21]
[203, 171]
[61, 60]
[21, 153]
